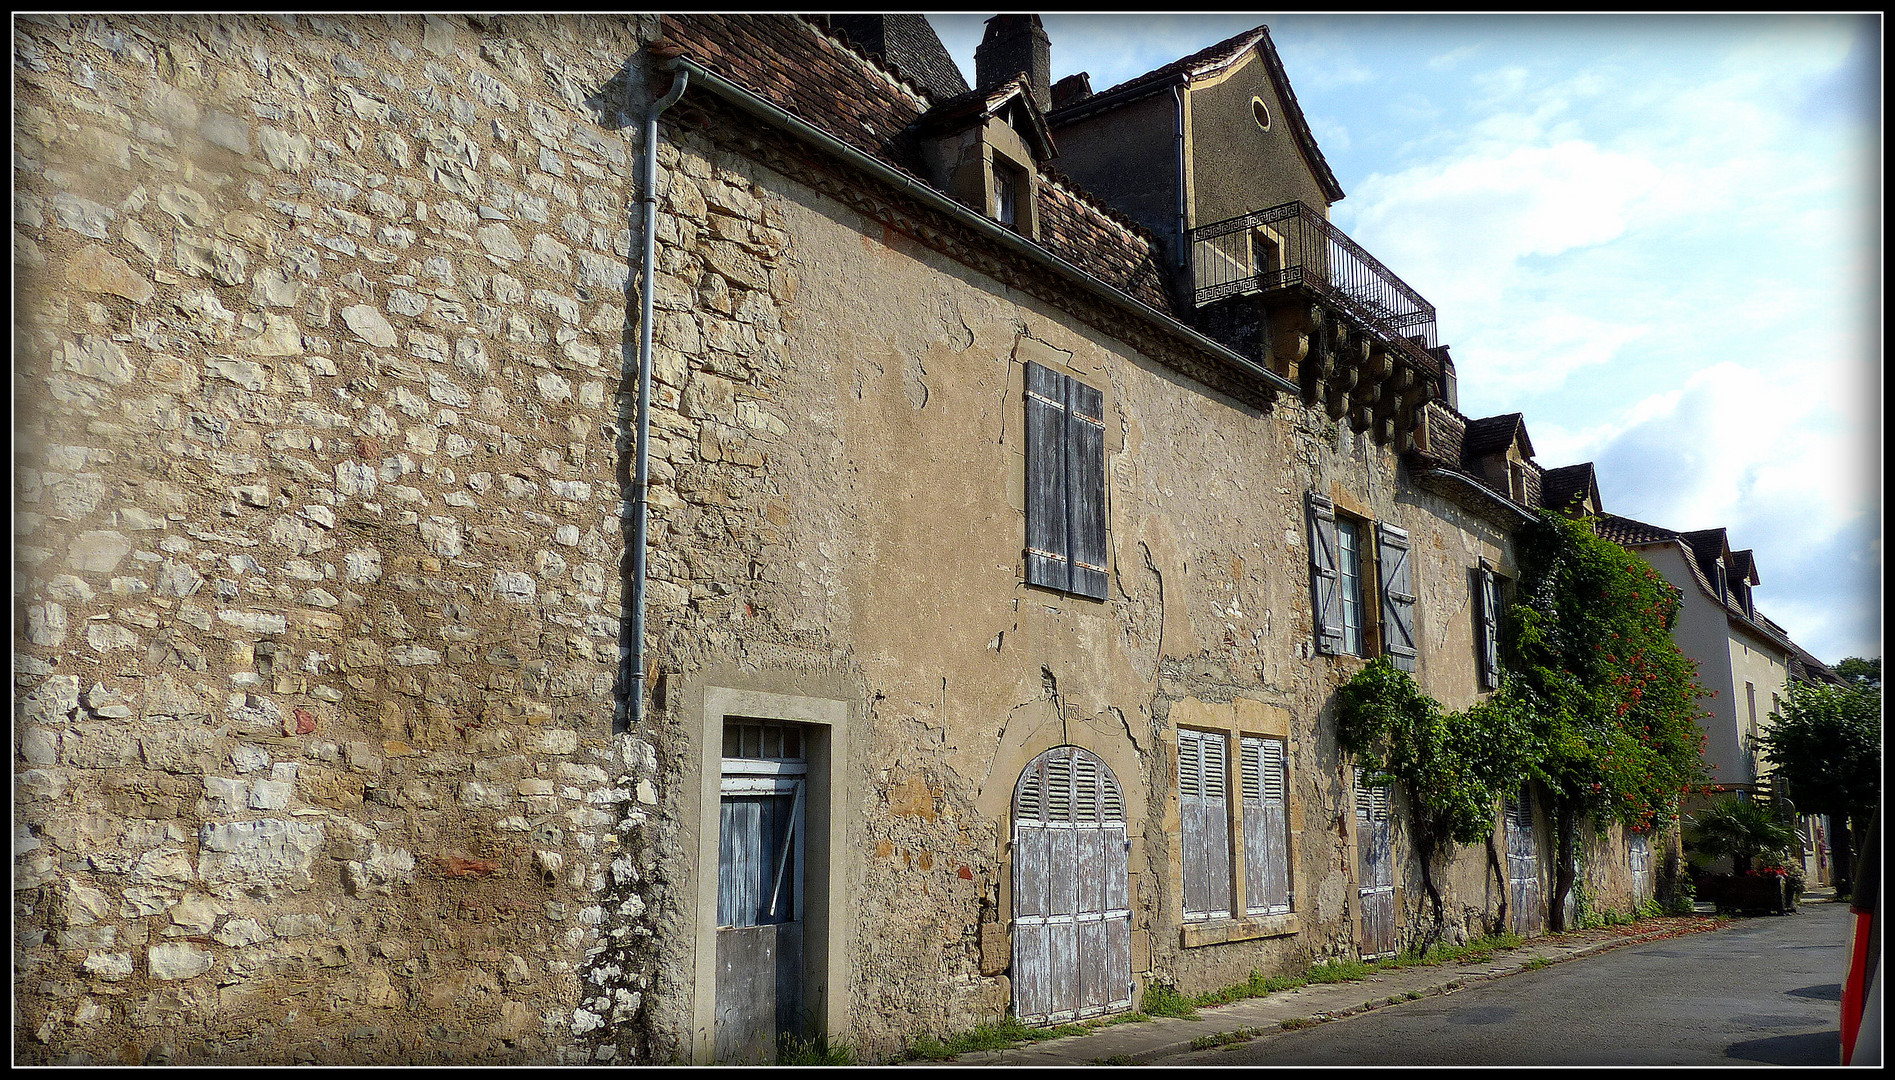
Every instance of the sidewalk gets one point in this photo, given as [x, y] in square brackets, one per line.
[1138, 1043]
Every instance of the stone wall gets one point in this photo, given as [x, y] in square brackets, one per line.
[318, 347]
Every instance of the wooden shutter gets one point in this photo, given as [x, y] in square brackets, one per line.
[1322, 574]
[1065, 483]
[1046, 556]
[1205, 817]
[1266, 827]
[1398, 596]
[1085, 487]
[1487, 628]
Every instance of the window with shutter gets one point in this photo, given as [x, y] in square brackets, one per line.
[1322, 574]
[1487, 629]
[1065, 483]
[1266, 827]
[1398, 597]
[1349, 584]
[1205, 818]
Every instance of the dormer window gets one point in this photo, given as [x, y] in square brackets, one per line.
[1517, 481]
[1718, 579]
[1008, 182]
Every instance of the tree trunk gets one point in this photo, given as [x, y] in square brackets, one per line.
[1842, 856]
[1500, 879]
[1564, 815]
[1425, 846]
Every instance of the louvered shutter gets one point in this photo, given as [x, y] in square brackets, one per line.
[1487, 632]
[1398, 596]
[1085, 487]
[1205, 815]
[1046, 550]
[1065, 483]
[1322, 574]
[1266, 827]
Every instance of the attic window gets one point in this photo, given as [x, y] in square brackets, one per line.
[1261, 111]
[1008, 182]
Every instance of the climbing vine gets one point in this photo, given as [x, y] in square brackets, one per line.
[1597, 704]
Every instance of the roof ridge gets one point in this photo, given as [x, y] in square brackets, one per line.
[882, 67]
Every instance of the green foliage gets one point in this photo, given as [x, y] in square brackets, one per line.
[1163, 999]
[1743, 829]
[1649, 909]
[1340, 971]
[791, 1050]
[1866, 672]
[1826, 741]
[1454, 766]
[1612, 699]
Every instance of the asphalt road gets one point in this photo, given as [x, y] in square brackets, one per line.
[1763, 992]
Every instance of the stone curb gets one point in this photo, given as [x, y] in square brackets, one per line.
[1161, 1037]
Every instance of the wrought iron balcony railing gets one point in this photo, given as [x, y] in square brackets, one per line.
[1293, 244]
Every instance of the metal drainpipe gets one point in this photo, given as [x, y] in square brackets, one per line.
[635, 707]
[1184, 234]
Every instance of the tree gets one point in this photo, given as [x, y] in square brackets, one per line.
[1826, 742]
[1452, 766]
[1864, 672]
[1613, 701]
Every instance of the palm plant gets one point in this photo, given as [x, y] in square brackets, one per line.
[1744, 829]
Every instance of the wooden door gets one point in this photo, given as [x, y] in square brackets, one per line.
[1638, 856]
[1375, 868]
[759, 891]
[1072, 918]
[1525, 901]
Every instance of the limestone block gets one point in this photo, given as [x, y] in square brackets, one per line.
[369, 325]
[164, 868]
[500, 243]
[240, 932]
[178, 960]
[98, 552]
[80, 905]
[82, 216]
[46, 623]
[142, 902]
[108, 967]
[267, 850]
[94, 269]
[98, 358]
[195, 914]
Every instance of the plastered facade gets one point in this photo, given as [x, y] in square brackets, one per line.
[318, 609]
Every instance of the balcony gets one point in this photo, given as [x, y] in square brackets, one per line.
[1293, 246]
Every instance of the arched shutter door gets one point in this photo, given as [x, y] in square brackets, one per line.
[1325, 602]
[1398, 596]
[1071, 891]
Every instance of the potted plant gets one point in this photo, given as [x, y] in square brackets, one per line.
[1756, 841]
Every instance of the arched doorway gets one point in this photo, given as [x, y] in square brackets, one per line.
[1072, 918]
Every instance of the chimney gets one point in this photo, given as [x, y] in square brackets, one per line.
[1071, 90]
[1012, 44]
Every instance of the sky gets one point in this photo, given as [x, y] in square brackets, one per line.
[1658, 237]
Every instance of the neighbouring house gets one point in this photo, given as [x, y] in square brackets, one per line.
[1745, 659]
[1013, 519]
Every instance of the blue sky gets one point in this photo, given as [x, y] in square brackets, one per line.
[1659, 237]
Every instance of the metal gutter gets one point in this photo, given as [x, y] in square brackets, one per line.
[992, 230]
[641, 483]
[1454, 479]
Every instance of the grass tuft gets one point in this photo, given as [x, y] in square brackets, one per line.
[1163, 999]
[817, 1051]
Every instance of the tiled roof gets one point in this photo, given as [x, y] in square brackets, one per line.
[958, 111]
[1743, 566]
[905, 45]
[1562, 487]
[1116, 252]
[1491, 433]
[1629, 533]
[1206, 61]
[797, 65]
